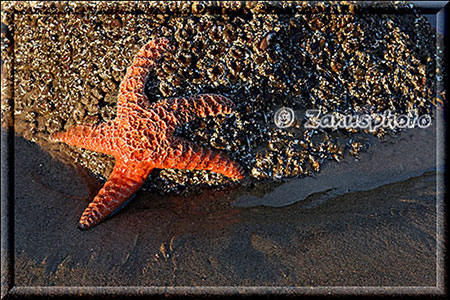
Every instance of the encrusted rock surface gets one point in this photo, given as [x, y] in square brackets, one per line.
[62, 64]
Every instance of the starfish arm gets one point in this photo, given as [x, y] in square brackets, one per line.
[186, 155]
[123, 182]
[132, 86]
[92, 137]
[203, 105]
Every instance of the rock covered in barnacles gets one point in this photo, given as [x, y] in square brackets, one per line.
[70, 58]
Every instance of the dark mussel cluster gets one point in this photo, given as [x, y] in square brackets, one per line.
[334, 57]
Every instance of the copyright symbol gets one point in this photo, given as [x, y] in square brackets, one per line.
[284, 117]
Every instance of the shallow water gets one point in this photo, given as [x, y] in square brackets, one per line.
[384, 236]
[386, 161]
[366, 222]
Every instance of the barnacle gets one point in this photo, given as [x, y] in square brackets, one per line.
[69, 61]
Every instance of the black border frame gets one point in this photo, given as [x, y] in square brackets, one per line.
[8, 290]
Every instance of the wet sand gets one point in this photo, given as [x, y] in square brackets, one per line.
[391, 159]
[358, 224]
[382, 236]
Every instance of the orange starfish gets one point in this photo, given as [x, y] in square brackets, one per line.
[141, 137]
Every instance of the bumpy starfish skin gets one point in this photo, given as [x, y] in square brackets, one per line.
[141, 137]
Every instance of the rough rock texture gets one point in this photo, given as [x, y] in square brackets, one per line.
[63, 63]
